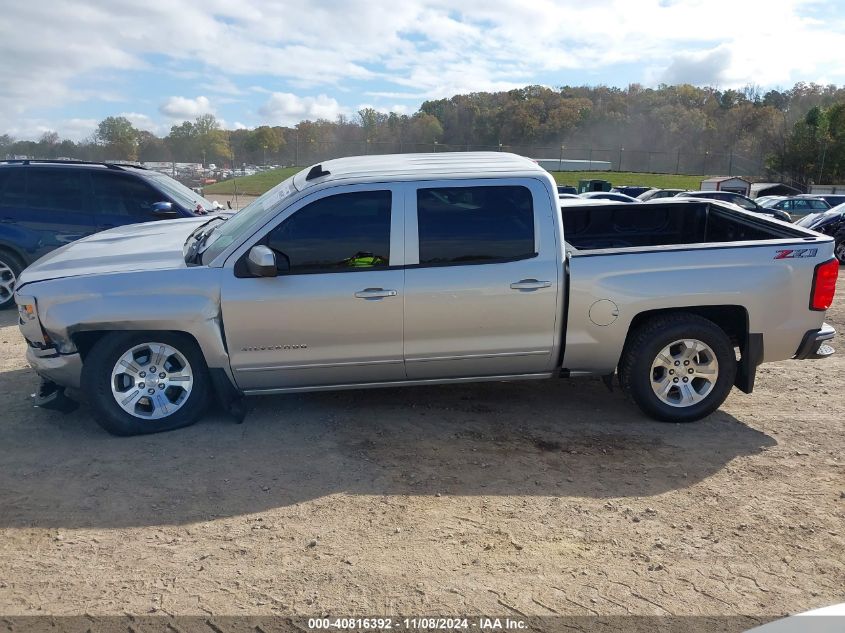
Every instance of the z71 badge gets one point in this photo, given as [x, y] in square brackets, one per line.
[796, 253]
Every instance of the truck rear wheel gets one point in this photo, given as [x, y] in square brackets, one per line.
[145, 382]
[678, 368]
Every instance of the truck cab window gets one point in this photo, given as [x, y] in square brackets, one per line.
[348, 231]
[475, 225]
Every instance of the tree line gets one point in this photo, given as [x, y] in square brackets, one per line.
[798, 133]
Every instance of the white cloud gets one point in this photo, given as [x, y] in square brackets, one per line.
[74, 129]
[398, 108]
[285, 108]
[145, 122]
[183, 108]
[413, 50]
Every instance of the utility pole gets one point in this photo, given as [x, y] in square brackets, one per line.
[821, 167]
[560, 160]
[678, 162]
[619, 166]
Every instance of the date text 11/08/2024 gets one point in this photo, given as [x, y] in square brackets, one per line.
[424, 623]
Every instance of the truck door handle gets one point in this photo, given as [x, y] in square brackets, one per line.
[530, 284]
[375, 293]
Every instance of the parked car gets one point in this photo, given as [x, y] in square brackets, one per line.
[630, 190]
[797, 206]
[830, 222]
[761, 200]
[833, 199]
[567, 189]
[654, 194]
[568, 196]
[607, 195]
[47, 204]
[738, 199]
[437, 270]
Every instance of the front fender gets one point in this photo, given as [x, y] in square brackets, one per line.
[182, 300]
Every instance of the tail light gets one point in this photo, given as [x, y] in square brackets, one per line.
[824, 285]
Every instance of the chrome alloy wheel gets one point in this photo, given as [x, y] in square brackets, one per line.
[684, 373]
[7, 282]
[152, 381]
[839, 252]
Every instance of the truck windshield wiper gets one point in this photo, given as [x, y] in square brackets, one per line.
[199, 236]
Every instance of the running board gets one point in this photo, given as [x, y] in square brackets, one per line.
[399, 383]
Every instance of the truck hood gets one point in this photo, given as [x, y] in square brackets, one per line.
[131, 248]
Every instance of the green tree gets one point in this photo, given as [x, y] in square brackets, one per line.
[151, 147]
[182, 142]
[263, 140]
[118, 138]
[211, 141]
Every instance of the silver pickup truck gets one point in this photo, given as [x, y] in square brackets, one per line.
[380, 271]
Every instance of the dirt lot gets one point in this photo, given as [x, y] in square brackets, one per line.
[534, 498]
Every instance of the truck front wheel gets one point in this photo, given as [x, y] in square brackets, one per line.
[145, 382]
[678, 368]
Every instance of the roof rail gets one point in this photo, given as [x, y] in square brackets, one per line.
[54, 161]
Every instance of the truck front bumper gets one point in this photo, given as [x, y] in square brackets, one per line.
[815, 344]
[63, 369]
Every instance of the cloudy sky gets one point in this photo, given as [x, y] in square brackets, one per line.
[64, 65]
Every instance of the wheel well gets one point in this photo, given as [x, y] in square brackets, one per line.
[14, 253]
[734, 322]
[732, 319]
[85, 341]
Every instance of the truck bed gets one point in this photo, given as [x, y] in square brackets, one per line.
[629, 260]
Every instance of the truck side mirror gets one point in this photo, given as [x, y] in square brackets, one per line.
[261, 262]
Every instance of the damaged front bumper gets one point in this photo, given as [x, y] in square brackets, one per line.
[63, 369]
[815, 343]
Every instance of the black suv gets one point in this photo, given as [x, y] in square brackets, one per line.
[46, 204]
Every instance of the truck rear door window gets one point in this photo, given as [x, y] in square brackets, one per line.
[475, 225]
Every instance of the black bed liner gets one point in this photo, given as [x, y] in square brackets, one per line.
[592, 227]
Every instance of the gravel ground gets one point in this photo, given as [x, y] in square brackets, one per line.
[535, 498]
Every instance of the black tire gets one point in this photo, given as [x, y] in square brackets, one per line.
[97, 383]
[839, 247]
[642, 349]
[8, 262]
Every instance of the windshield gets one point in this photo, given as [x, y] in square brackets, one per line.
[224, 234]
[182, 195]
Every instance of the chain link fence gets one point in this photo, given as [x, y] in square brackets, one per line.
[307, 152]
